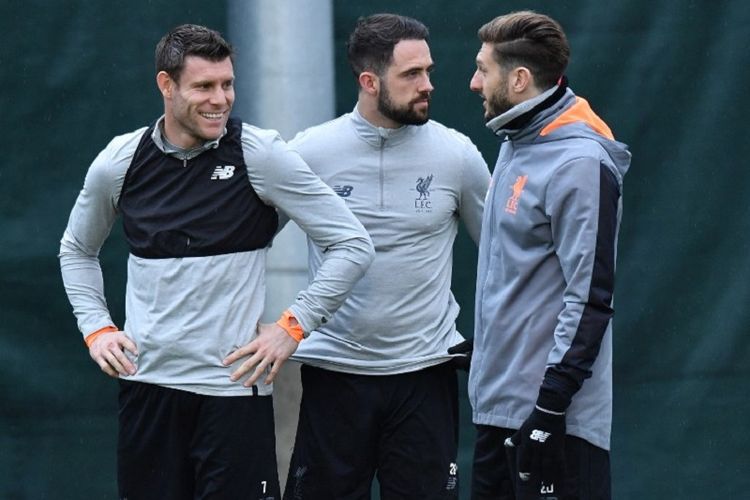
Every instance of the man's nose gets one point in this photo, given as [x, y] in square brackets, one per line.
[475, 84]
[219, 96]
[426, 85]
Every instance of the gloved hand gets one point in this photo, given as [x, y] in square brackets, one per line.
[465, 348]
[540, 451]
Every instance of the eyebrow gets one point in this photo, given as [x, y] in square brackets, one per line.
[429, 68]
[211, 81]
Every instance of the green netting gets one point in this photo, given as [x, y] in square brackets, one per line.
[668, 77]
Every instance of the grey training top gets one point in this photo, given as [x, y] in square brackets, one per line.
[546, 267]
[409, 187]
[187, 314]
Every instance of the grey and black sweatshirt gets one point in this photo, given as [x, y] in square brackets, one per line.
[545, 279]
[198, 224]
[409, 187]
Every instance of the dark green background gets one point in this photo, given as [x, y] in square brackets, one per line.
[669, 77]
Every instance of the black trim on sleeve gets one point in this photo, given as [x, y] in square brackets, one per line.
[563, 380]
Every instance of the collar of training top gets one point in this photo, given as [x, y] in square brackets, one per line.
[521, 114]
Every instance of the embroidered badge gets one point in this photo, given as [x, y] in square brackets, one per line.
[511, 206]
[422, 202]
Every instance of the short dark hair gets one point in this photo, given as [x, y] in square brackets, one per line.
[370, 46]
[526, 38]
[189, 40]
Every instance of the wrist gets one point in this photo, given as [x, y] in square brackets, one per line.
[556, 392]
[551, 413]
[291, 326]
[91, 337]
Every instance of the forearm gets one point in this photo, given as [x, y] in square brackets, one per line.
[475, 181]
[84, 285]
[585, 233]
[340, 270]
[284, 180]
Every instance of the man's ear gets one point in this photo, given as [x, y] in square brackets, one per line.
[521, 80]
[369, 83]
[165, 84]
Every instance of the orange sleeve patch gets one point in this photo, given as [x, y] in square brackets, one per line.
[289, 323]
[580, 112]
[91, 337]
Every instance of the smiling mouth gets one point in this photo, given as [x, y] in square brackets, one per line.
[212, 116]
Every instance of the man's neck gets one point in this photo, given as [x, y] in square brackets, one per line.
[522, 113]
[368, 108]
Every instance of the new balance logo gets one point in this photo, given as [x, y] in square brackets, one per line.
[222, 173]
[537, 435]
[343, 191]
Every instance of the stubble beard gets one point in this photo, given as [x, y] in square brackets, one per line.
[406, 115]
[497, 103]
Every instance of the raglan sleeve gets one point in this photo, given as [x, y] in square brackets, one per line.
[89, 225]
[583, 200]
[475, 181]
[282, 179]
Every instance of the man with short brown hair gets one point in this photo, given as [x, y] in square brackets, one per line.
[198, 194]
[545, 277]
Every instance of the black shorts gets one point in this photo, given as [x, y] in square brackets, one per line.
[177, 445]
[402, 428]
[587, 470]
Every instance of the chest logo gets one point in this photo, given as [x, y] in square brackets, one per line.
[222, 173]
[422, 203]
[343, 191]
[511, 206]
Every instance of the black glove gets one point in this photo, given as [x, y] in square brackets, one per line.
[464, 348]
[539, 447]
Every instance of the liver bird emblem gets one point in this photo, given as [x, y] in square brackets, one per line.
[423, 187]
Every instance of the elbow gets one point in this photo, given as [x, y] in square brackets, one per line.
[363, 251]
[358, 250]
[71, 248]
[66, 249]
[368, 252]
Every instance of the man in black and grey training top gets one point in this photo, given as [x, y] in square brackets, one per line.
[198, 194]
[379, 393]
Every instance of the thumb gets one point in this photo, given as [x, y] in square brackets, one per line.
[462, 347]
[515, 439]
[523, 457]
